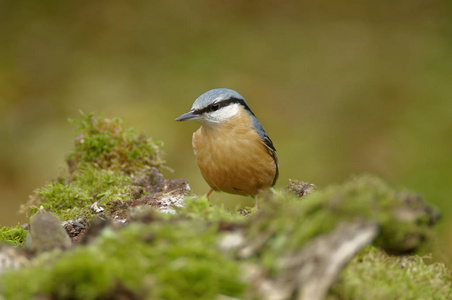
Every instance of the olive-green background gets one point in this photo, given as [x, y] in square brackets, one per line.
[342, 87]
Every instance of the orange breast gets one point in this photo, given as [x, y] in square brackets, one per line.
[232, 157]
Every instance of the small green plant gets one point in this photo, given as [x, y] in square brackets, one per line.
[14, 236]
[104, 143]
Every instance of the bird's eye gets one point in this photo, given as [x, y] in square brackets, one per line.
[215, 106]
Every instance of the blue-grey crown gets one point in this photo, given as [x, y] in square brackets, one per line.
[217, 95]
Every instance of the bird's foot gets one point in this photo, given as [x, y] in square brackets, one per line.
[208, 194]
[256, 204]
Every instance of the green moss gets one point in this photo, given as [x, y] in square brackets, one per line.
[104, 157]
[291, 222]
[164, 260]
[176, 256]
[104, 143]
[14, 236]
[375, 275]
[404, 218]
[200, 208]
[70, 200]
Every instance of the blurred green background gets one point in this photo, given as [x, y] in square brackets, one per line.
[342, 87]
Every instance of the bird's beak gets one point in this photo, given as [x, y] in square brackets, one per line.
[191, 115]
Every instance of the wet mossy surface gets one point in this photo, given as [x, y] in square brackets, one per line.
[200, 251]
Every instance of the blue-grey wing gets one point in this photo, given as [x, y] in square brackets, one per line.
[267, 142]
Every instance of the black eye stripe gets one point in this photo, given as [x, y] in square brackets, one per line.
[215, 106]
[223, 103]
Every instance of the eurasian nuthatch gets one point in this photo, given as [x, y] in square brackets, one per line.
[232, 149]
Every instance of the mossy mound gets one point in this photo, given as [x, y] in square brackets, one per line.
[203, 251]
[154, 261]
[70, 200]
[198, 253]
[105, 144]
[105, 160]
[403, 225]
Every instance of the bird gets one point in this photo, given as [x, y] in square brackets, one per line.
[233, 152]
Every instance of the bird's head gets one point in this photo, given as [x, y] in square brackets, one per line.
[215, 106]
